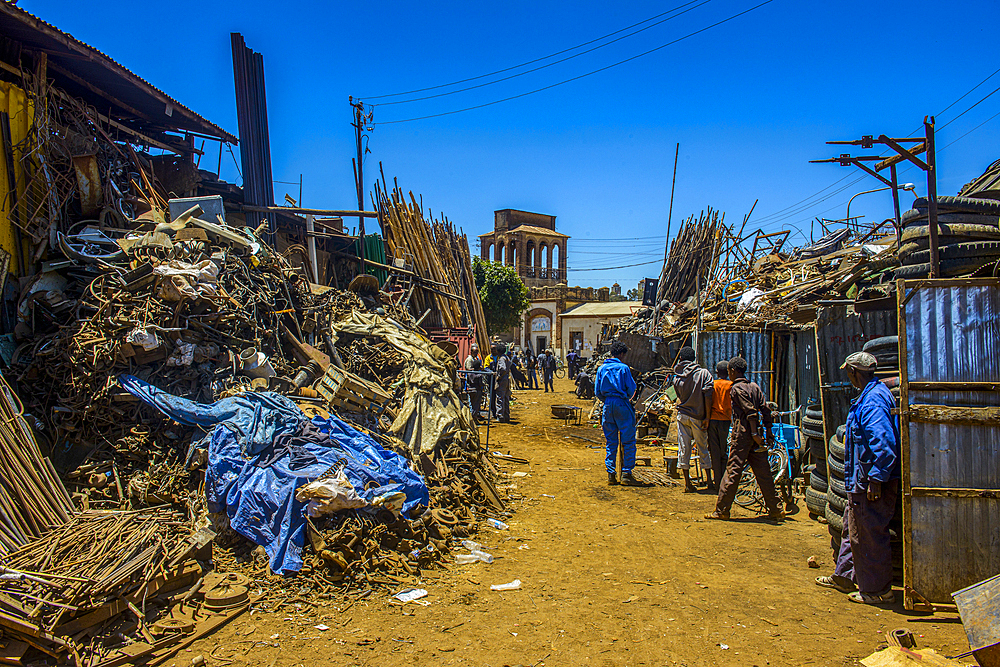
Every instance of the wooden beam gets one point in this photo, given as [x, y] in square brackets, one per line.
[955, 386]
[946, 414]
[56, 67]
[309, 211]
[930, 492]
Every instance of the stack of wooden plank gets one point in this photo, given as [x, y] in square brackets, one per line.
[693, 256]
[440, 257]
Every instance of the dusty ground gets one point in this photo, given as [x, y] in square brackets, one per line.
[611, 576]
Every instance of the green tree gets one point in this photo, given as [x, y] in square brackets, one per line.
[616, 297]
[634, 294]
[502, 292]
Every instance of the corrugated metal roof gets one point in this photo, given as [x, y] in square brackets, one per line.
[528, 229]
[953, 335]
[603, 309]
[92, 75]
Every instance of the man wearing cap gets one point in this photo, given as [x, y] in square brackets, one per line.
[871, 477]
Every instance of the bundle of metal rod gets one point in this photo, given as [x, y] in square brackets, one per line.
[32, 498]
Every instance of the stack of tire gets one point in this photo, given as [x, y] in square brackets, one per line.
[886, 352]
[811, 430]
[836, 493]
[968, 237]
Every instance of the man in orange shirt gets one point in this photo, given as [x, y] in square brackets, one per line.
[718, 425]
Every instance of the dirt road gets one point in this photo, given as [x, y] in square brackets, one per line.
[610, 576]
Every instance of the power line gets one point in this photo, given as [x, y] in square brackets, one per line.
[541, 67]
[581, 76]
[531, 62]
[625, 266]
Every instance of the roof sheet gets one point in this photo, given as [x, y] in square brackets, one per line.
[530, 229]
[92, 75]
[603, 309]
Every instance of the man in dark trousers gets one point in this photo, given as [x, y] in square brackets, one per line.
[474, 383]
[532, 368]
[615, 386]
[501, 387]
[572, 358]
[548, 365]
[751, 429]
[718, 424]
[871, 477]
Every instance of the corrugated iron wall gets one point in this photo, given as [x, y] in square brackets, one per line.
[806, 368]
[839, 332]
[953, 335]
[754, 346]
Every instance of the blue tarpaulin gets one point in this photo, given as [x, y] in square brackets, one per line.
[255, 484]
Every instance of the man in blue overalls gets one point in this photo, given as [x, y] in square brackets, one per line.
[871, 476]
[615, 387]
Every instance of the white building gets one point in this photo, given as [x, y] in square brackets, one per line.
[581, 325]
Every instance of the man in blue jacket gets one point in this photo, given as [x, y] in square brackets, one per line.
[615, 387]
[871, 477]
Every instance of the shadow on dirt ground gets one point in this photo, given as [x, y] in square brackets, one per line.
[610, 576]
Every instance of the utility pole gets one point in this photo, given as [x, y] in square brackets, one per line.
[666, 245]
[359, 179]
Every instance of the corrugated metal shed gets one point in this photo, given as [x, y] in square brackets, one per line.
[839, 332]
[952, 335]
[754, 346]
[806, 367]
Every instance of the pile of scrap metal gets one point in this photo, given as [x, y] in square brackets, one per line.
[184, 363]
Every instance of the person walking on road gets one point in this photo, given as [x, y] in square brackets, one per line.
[532, 371]
[718, 425]
[572, 358]
[501, 387]
[474, 362]
[871, 477]
[751, 430]
[695, 389]
[548, 366]
[615, 387]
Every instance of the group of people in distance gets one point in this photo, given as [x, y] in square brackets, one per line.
[507, 367]
[730, 422]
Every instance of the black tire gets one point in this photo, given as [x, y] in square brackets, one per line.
[968, 204]
[883, 344]
[842, 431]
[986, 250]
[923, 243]
[837, 487]
[814, 412]
[835, 520]
[950, 268]
[957, 230]
[837, 449]
[947, 218]
[817, 452]
[818, 483]
[836, 502]
[816, 502]
[835, 469]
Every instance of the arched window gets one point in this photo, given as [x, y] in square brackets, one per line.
[512, 253]
[487, 249]
[500, 252]
[555, 255]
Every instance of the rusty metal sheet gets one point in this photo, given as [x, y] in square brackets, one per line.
[88, 184]
[953, 335]
[839, 332]
[754, 346]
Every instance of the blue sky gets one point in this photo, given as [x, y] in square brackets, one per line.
[751, 101]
